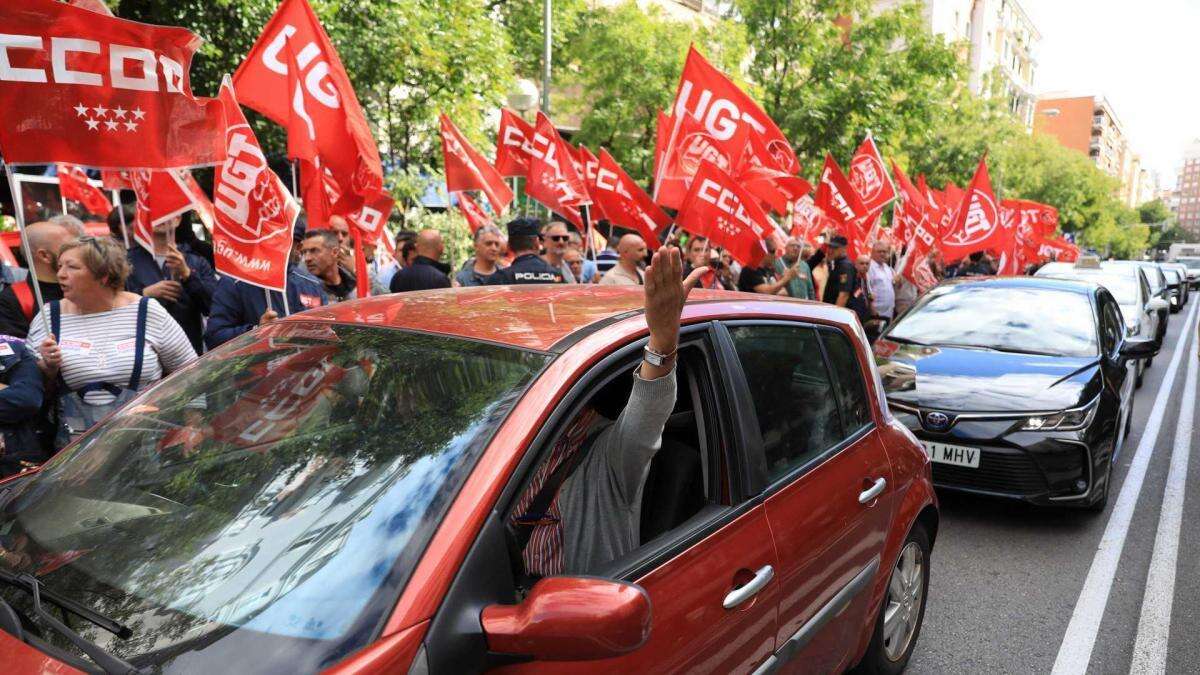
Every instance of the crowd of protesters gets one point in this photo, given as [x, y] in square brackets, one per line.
[119, 319]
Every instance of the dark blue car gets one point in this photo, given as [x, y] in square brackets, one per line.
[1018, 387]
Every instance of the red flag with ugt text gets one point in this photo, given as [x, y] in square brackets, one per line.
[625, 203]
[722, 211]
[325, 100]
[976, 225]
[255, 214]
[721, 115]
[513, 150]
[553, 178]
[1058, 249]
[869, 177]
[73, 182]
[83, 88]
[466, 169]
[476, 217]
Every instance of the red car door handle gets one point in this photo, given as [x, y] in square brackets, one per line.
[873, 491]
[743, 593]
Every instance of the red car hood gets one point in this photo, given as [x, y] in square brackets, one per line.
[21, 659]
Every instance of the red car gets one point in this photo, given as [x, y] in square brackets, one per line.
[335, 492]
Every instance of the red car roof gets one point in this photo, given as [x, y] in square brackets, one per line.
[533, 317]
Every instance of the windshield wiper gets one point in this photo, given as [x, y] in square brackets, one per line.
[993, 348]
[907, 341]
[111, 664]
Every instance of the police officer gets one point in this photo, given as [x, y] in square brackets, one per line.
[21, 393]
[524, 240]
[843, 278]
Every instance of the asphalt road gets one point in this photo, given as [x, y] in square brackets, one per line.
[1016, 589]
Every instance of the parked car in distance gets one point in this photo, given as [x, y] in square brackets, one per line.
[1158, 289]
[1193, 269]
[1019, 387]
[341, 491]
[1182, 272]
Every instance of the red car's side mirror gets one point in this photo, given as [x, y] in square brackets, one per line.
[571, 619]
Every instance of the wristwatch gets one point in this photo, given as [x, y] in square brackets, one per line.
[656, 359]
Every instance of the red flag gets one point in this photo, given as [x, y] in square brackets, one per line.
[625, 203]
[116, 180]
[1059, 249]
[92, 6]
[911, 208]
[809, 221]
[513, 149]
[83, 88]
[589, 166]
[1041, 218]
[724, 212]
[371, 216]
[721, 115]
[466, 169]
[777, 190]
[976, 225]
[553, 179]
[869, 177]
[694, 145]
[73, 182]
[326, 101]
[475, 216]
[952, 196]
[662, 132]
[838, 199]
[162, 195]
[255, 213]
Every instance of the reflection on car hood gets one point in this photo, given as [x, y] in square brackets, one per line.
[975, 380]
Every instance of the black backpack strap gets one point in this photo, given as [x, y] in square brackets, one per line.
[140, 353]
[56, 320]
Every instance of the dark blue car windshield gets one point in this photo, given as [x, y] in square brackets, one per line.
[257, 506]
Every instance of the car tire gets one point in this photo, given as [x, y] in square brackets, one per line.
[886, 657]
[1141, 375]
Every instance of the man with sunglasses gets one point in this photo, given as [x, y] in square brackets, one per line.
[527, 266]
[556, 237]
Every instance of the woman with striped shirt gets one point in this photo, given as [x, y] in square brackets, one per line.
[107, 343]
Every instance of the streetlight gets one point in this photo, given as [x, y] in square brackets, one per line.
[546, 45]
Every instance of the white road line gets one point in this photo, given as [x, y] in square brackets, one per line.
[1154, 627]
[1075, 653]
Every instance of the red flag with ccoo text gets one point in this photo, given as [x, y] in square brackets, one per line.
[721, 210]
[74, 185]
[553, 179]
[466, 169]
[83, 88]
[513, 150]
[625, 203]
[255, 214]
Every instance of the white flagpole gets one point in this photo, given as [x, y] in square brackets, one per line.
[295, 189]
[19, 213]
[121, 215]
[287, 311]
[267, 295]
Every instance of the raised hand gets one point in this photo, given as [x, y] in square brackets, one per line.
[666, 292]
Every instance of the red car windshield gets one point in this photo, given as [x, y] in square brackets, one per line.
[268, 503]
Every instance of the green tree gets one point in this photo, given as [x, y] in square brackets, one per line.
[1154, 212]
[625, 67]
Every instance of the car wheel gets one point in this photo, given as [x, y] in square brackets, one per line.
[1141, 375]
[899, 623]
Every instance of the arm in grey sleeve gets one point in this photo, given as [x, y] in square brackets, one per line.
[630, 444]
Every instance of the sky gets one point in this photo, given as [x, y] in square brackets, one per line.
[1143, 55]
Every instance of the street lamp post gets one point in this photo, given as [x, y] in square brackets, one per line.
[546, 48]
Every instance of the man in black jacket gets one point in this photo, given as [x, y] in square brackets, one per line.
[21, 393]
[426, 271]
[524, 240]
[320, 251]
